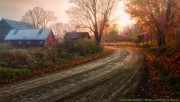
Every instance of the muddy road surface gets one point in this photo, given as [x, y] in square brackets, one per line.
[104, 80]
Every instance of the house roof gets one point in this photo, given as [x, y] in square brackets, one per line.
[31, 34]
[17, 24]
[76, 35]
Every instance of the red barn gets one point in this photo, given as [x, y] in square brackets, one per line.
[30, 38]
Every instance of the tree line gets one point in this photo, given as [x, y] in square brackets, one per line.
[158, 16]
[86, 14]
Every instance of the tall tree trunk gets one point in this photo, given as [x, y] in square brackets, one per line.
[161, 39]
[151, 37]
[98, 41]
[162, 32]
[97, 37]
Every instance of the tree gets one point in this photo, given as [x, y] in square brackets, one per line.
[39, 17]
[112, 35]
[60, 29]
[158, 14]
[92, 14]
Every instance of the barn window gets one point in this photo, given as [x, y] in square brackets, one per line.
[20, 42]
[28, 42]
[40, 42]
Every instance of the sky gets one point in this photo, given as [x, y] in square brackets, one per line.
[123, 18]
[15, 9]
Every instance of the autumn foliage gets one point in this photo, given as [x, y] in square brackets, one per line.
[164, 72]
[154, 17]
[156, 88]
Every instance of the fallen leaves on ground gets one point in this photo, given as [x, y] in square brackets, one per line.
[156, 89]
[151, 86]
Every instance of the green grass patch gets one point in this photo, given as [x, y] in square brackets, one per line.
[20, 61]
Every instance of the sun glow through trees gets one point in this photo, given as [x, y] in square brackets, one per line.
[123, 18]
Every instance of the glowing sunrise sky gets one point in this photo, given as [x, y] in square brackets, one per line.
[123, 18]
[15, 9]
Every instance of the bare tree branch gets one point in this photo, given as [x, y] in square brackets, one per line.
[39, 17]
[92, 14]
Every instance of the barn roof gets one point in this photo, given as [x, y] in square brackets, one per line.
[31, 34]
[17, 24]
[76, 35]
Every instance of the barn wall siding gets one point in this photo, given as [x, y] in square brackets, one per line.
[33, 43]
[51, 41]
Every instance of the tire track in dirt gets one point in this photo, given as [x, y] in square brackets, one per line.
[123, 84]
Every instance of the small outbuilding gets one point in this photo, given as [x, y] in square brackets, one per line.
[77, 35]
[30, 38]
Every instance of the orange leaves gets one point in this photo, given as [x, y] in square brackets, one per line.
[171, 63]
[164, 73]
[157, 90]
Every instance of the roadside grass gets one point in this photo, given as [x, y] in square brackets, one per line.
[121, 44]
[18, 63]
[164, 62]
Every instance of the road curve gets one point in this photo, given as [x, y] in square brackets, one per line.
[103, 80]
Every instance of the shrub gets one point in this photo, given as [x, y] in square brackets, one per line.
[80, 47]
[6, 73]
[5, 47]
[51, 55]
[22, 71]
[15, 58]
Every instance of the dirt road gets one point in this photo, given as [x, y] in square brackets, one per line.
[104, 80]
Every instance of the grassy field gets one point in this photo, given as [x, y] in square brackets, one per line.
[121, 44]
[16, 63]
